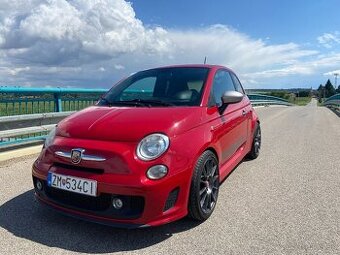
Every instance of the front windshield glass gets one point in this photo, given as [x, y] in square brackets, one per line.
[175, 86]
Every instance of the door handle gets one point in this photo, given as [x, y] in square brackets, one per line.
[243, 112]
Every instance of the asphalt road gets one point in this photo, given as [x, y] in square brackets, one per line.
[285, 202]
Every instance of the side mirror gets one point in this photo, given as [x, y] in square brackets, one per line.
[232, 97]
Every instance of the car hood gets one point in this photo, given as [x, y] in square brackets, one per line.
[128, 124]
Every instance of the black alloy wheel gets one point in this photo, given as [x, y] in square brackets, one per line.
[204, 187]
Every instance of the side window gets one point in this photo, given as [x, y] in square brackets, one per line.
[222, 83]
[237, 84]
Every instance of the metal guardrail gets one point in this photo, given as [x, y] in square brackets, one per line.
[333, 102]
[21, 100]
[27, 114]
[17, 130]
[258, 99]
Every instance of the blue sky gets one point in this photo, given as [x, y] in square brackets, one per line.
[281, 21]
[82, 43]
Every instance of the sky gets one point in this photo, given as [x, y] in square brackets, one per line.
[95, 43]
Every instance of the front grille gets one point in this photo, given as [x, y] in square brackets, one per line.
[79, 168]
[100, 203]
[133, 206]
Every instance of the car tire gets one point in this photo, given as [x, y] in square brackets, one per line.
[256, 144]
[204, 187]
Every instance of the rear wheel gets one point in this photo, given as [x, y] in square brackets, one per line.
[256, 145]
[204, 187]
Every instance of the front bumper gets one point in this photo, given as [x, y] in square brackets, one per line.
[149, 203]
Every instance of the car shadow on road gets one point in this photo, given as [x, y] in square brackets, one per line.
[24, 217]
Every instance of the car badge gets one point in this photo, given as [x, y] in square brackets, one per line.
[76, 155]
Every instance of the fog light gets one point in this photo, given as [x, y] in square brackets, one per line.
[157, 172]
[117, 203]
[39, 185]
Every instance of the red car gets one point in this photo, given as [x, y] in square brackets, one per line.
[152, 150]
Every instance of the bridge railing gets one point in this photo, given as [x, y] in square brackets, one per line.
[258, 99]
[28, 114]
[25, 100]
[333, 102]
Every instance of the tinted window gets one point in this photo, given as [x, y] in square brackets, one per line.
[237, 83]
[222, 83]
[174, 85]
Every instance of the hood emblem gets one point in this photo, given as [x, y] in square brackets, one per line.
[76, 155]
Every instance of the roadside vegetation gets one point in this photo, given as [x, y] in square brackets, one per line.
[326, 91]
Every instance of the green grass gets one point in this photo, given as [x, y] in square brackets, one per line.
[301, 101]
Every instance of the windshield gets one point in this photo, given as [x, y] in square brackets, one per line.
[173, 86]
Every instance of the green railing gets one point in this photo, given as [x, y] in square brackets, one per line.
[258, 99]
[333, 102]
[20, 100]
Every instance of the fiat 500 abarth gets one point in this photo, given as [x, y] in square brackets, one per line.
[152, 150]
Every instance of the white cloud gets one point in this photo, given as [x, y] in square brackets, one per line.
[328, 40]
[55, 20]
[81, 42]
[119, 67]
[226, 46]
[332, 72]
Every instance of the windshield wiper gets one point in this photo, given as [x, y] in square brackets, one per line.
[129, 102]
[152, 101]
[137, 102]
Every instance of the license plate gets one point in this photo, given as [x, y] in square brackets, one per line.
[72, 184]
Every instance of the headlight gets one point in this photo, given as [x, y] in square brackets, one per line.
[50, 137]
[152, 146]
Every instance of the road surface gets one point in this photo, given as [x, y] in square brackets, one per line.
[285, 202]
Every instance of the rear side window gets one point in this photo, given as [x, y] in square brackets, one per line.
[222, 83]
[237, 84]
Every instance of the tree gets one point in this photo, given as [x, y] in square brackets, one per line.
[304, 93]
[330, 90]
[338, 89]
[321, 92]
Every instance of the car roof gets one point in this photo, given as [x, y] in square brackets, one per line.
[194, 66]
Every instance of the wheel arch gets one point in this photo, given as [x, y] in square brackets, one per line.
[213, 151]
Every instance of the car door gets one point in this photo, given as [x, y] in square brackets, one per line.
[230, 127]
[247, 108]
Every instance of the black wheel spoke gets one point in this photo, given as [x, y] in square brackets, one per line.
[213, 170]
[203, 190]
[206, 202]
[203, 200]
[205, 171]
[209, 201]
[214, 196]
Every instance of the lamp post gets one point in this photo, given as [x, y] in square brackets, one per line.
[336, 80]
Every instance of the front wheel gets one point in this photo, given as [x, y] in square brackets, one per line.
[204, 187]
[256, 145]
